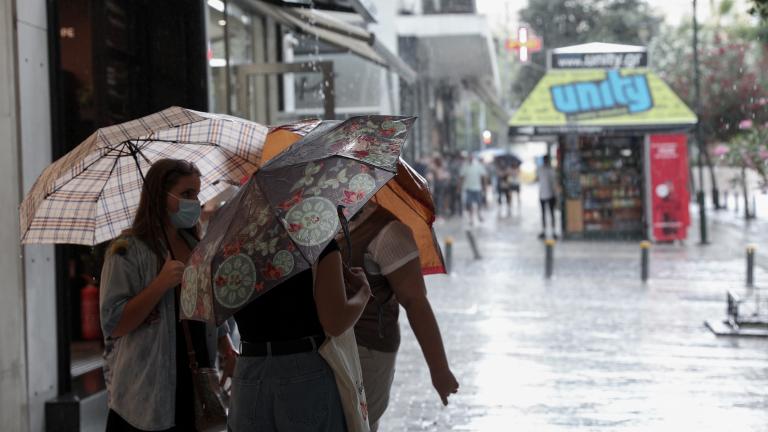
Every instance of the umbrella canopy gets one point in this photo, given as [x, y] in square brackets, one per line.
[287, 213]
[406, 196]
[91, 194]
[507, 159]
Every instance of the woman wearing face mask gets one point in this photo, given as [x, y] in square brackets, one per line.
[149, 382]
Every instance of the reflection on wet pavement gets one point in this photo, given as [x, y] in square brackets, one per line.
[591, 349]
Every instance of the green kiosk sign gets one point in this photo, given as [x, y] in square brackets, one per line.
[602, 98]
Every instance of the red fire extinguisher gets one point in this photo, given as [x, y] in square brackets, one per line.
[89, 309]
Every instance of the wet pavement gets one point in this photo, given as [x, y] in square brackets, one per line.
[593, 348]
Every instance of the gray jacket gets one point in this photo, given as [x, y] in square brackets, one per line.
[140, 367]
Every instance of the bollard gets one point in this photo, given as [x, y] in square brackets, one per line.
[645, 247]
[473, 244]
[549, 258]
[735, 202]
[448, 254]
[725, 201]
[751, 265]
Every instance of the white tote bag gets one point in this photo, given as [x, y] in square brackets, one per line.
[340, 352]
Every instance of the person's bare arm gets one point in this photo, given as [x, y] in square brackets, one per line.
[336, 312]
[408, 285]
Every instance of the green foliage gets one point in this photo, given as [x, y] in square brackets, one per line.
[733, 88]
[750, 149]
[570, 22]
[759, 8]
[726, 6]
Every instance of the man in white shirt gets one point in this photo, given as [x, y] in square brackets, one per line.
[547, 195]
[472, 175]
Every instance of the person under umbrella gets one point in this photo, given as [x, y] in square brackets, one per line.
[148, 377]
[385, 248]
[257, 260]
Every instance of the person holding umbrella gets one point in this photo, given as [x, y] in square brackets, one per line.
[298, 368]
[281, 382]
[385, 248]
[148, 376]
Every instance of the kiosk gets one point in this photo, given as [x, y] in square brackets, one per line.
[622, 142]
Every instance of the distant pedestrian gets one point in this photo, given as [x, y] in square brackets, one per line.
[473, 177]
[513, 178]
[547, 195]
[440, 184]
[504, 187]
[454, 185]
[388, 253]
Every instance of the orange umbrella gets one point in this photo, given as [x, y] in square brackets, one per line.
[406, 196]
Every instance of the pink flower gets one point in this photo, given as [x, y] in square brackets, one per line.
[232, 249]
[745, 124]
[763, 154]
[720, 150]
[352, 197]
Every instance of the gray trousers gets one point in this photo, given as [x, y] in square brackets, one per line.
[292, 393]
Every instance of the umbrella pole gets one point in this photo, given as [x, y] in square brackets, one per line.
[134, 154]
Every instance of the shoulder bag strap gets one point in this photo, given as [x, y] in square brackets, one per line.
[190, 348]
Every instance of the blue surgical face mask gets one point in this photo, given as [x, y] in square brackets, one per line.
[188, 214]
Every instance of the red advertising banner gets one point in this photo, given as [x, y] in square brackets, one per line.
[669, 186]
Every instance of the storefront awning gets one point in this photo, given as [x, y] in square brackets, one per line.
[594, 99]
[338, 33]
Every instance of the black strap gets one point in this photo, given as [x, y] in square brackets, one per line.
[190, 348]
[345, 227]
[277, 348]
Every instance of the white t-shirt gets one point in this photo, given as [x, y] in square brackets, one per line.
[546, 183]
[391, 249]
[473, 174]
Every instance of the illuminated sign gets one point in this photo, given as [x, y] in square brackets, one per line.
[598, 97]
[524, 44]
[615, 95]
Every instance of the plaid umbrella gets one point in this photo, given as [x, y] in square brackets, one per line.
[288, 212]
[91, 194]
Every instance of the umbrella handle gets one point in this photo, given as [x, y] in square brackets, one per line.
[345, 227]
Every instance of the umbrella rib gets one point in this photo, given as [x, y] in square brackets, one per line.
[114, 165]
[201, 143]
[120, 154]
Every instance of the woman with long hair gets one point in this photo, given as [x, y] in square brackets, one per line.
[149, 381]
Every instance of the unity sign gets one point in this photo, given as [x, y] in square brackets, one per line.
[600, 97]
[615, 95]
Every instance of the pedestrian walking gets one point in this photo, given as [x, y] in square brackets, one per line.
[454, 185]
[473, 176]
[385, 248]
[147, 370]
[441, 184]
[547, 195]
[513, 178]
[504, 187]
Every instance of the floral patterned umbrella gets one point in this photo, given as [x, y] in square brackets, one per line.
[287, 213]
[406, 196]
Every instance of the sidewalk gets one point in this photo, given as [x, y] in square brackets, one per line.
[591, 349]
[740, 230]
